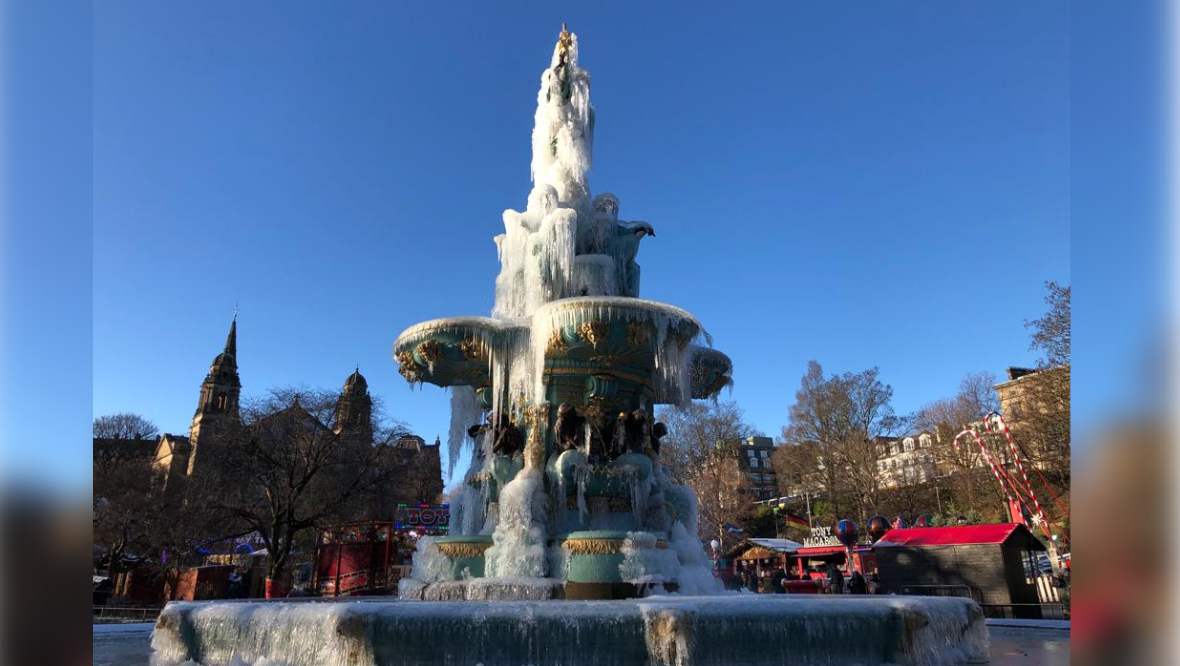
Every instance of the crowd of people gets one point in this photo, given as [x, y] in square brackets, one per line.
[837, 582]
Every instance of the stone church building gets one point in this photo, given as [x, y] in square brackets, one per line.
[218, 413]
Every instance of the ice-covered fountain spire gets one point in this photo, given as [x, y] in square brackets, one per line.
[563, 130]
[537, 247]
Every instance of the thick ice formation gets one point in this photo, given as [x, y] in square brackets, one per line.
[520, 536]
[465, 411]
[563, 244]
[662, 631]
[537, 247]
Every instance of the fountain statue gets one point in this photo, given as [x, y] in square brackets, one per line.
[565, 499]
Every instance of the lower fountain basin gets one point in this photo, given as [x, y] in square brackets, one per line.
[735, 628]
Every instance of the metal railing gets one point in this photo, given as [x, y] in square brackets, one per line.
[944, 591]
[1044, 611]
[125, 614]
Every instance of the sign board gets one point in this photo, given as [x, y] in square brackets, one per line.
[427, 516]
[820, 536]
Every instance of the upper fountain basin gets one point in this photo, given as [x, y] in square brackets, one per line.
[618, 333]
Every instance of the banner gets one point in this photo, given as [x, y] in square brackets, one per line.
[429, 516]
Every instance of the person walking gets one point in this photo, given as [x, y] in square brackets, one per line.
[835, 579]
[876, 581]
[777, 579]
[857, 584]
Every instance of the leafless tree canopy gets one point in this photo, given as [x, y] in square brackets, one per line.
[287, 470]
[947, 417]
[836, 421]
[700, 451]
[1051, 332]
[124, 425]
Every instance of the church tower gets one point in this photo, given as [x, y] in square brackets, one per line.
[217, 408]
[354, 409]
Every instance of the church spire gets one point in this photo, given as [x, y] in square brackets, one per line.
[231, 340]
[217, 407]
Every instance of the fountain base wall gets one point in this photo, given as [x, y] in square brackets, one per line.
[746, 628]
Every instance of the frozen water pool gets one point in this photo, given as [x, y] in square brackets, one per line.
[748, 629]
[1010, 646]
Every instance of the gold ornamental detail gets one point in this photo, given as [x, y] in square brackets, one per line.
[407, 367]
[472, 349]
[600, 546]
[463, 549]
[556, 346]
[431, 351]
[593, 331]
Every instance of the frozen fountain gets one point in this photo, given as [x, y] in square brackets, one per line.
[554, 395]
[570, 543]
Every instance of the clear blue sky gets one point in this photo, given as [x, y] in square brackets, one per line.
[857, 183]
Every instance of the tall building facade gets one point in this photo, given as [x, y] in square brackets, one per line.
[218, 417]
[754, 460]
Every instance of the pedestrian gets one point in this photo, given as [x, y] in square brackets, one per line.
[835, 579]
[777, 579]
[876, 584]
[857, 584]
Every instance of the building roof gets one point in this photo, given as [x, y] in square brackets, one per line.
[959, 535]
[774, 546]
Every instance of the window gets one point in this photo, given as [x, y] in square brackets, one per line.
[764, 454]
[221, 400]
[750, 453]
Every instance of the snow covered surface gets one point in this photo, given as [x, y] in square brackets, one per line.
[778, 544]
[669, 630]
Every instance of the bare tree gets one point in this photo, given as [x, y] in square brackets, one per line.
[1043, 425]
[288, 471]
[947, 417]
[701, 451]
[844, 416]
[1051, 332]
[122, 490]
[124, 425]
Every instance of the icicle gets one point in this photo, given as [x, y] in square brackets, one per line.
[465, 412]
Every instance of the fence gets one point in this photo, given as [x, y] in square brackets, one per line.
[125, 614]
[1046, 610]
[944, 591]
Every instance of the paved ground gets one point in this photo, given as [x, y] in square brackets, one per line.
[130, 645]
[122, 644]
[1031, 647]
